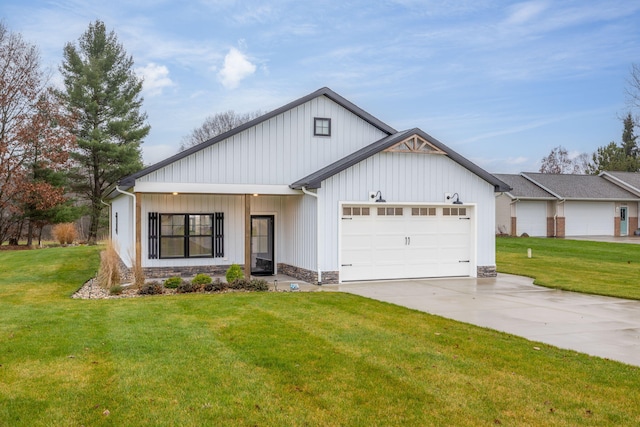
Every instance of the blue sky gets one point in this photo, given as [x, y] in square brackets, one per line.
[501, 82]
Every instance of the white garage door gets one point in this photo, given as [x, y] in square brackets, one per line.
[399, 242]
[531, 218]
[589, 218]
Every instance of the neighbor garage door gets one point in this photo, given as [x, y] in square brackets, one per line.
[397, 242]
[531, 218]
[589, 218]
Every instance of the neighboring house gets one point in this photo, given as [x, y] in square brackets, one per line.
[559, 205]
[526, 208]
[319, 190]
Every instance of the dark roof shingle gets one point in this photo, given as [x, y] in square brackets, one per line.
[579, 187]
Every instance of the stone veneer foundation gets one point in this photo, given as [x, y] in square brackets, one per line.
[484, 271]
[328, 277]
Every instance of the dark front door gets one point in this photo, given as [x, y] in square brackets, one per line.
[262, 253]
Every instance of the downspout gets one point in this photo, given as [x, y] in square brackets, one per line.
[318, 234]
[133, 196]
[511, 204]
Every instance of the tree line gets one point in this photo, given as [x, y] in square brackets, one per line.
[62, 149]
[623, 156]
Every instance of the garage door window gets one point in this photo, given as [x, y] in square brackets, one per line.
[355, 211]
[390, 212]
[423, 211]
[454, 211]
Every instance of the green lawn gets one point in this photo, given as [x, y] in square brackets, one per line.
[275, 359]
[611, 269]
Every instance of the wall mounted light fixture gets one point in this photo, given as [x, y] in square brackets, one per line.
[379, 197]
[457, 200]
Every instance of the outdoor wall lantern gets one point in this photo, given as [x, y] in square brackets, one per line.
[457, 200]
[379, 197]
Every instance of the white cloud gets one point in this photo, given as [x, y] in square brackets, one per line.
[236, 68]
[524, 12]
[156, 78]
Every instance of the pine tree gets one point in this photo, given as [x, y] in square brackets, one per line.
[629, 138]
[103, 91]
[623, 157]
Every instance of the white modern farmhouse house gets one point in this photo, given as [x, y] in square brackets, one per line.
[318, 189]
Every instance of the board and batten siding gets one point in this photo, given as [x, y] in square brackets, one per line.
[122, 213]
[231, 206]
[299, 232]
[406, 178]
[295, 232]
[280, 150]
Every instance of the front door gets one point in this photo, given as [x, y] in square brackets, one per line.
[262, 248]
[624, 222]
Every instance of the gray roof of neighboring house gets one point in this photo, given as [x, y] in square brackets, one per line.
[579, 187]
[315, 179]
[630, 179]
[522, 188]
[129, 181]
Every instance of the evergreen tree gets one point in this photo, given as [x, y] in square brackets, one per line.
[623, 157]
[629, 137]
[104, 93]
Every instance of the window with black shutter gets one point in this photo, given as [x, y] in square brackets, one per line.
[186, 235]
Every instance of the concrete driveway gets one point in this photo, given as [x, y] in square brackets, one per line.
[599, 326]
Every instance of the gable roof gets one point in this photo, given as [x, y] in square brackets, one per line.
[628, 180]
[522, 188]
[579, 187]
[315, 179]
[129, 181]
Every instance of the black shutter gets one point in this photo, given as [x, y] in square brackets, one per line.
[153, 235]
[218, 235]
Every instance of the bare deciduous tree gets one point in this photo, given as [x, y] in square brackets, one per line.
[215, 125]
[633, 86]
[33, 142]
[559, 161]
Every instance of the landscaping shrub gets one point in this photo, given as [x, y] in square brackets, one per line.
[234, 273]
[65, 233]
[201, 279]
[115, 290]
[151, 288]
[109, 272]
[187, 287]
[250, 285]
[173, 282]
[215, 286]
[258, 285]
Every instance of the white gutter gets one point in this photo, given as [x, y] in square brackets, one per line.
[318, 234]
[133, 209]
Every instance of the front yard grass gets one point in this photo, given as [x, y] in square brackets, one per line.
[295, 359]
[611, 269]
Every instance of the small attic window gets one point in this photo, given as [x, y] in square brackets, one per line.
[321, 126]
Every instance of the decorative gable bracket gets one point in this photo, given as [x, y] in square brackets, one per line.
[415, 144]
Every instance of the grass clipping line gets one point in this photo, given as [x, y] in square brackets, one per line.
[109, 273]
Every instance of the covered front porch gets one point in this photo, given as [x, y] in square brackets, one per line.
[182, 229]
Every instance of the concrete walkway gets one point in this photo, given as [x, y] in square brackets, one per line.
[599, 326]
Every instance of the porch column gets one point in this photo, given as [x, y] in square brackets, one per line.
[247, 236]
[138, 238]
